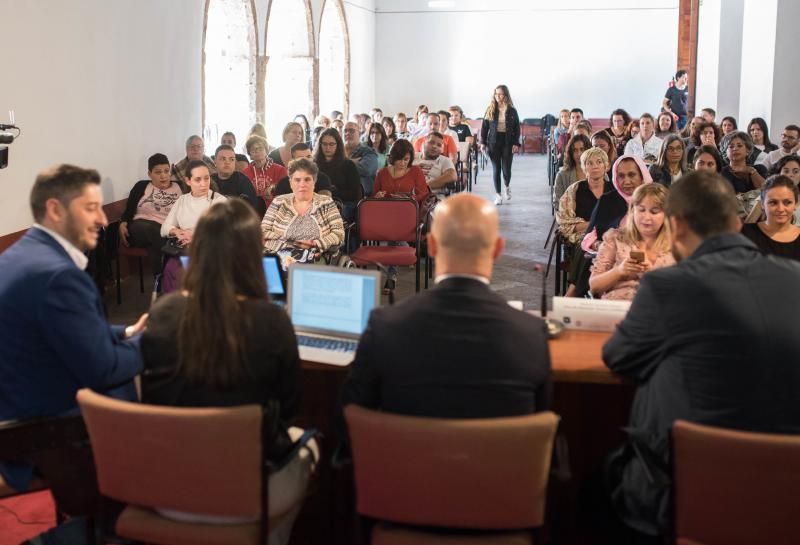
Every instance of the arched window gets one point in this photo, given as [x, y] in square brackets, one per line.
[288, 83]
[334, 59]
[230, 44]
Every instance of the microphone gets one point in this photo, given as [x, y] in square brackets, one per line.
[554, 327]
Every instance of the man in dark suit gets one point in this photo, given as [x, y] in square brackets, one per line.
[54, 338]
[712, 340]
[457, 350]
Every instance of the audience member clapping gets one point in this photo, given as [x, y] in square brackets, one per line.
[627, 253]
[671, 163]
[193, 358]
[149, 203]
[303, 225]
[777, 234]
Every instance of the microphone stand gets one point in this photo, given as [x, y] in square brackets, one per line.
[554, 327]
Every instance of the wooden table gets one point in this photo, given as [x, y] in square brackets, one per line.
[592, 402]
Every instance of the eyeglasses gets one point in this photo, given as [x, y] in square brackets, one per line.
[349, 130]
[195, 146]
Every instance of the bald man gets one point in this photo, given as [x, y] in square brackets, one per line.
[457, 350]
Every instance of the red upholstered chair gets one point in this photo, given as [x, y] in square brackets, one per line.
[488, 475]
[195, 460]
[388, 220]
[734, 487]
[129, 252]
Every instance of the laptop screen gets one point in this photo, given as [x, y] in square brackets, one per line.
[332, 299]
[272, 272]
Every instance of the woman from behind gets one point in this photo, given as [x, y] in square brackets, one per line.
[220, 342]
[629, 252]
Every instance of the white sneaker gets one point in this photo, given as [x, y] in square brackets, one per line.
[498, 200]
[507, 193]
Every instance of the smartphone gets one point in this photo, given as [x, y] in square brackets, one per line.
[637, 256]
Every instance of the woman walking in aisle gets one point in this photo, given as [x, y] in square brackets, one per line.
[500, 137]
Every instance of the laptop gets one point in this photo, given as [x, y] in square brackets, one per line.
[329, 308]
[276, 285]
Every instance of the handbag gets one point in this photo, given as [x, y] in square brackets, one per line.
[173, 247]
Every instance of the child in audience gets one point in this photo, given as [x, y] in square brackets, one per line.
[627, 253]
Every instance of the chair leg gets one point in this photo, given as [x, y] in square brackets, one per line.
[141, 276]
[416, 271]
[117, 281]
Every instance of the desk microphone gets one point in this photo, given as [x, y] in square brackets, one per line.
[554, 327]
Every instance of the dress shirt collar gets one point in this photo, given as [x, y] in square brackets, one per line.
[78, 257]
[442, 277]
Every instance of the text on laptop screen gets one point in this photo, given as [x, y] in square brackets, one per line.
[326, 299]
[271, 272]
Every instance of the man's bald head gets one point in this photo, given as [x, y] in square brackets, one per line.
[465, 235]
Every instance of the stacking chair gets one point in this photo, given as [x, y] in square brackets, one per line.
[432, 481]
[128, 252]
[194, 460]
[388, 220]
[734, 487]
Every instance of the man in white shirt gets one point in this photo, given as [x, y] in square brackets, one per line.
[790, 143]
[432, 124]
[646, 144]
[438, 169]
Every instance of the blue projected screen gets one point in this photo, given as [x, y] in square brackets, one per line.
[324, 298]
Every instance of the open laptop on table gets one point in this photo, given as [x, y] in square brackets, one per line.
[329, 307]
[276, 285]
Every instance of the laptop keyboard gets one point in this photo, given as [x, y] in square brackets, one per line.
[337, 345]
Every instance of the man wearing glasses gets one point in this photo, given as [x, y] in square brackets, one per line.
[194, 152]
[364, 157]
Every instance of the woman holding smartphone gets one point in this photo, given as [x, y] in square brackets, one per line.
[642, 244]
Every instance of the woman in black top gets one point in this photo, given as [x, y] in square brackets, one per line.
[330, 158]
[500, 137]
[777, 235]
[741, 175]
[221, 342]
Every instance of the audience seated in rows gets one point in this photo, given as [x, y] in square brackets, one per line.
[777, 234]
[323, 185]
[790, 145]
[438, 169]
[708, 158]
[572, 171]
[645, 145]
[292, 134]
[665, 125]
[401, 123]
[401, 177]
[149, 203]
[699, 341]
[330, 159]
[390, 129]
[618, 124]
[432, 124]
[642, 245]
[194, 152]
[192, 358]
[759, 133]
[231, 183]
[742, 176]
[575, 210]
[728, 125]
[706, 134]
[379, 143]
[262, 171]
[444, 126]
[671, 163]
[303, 225]
[457, 125]
[457, 350]
[229, 139]
[364, 157]
[709, 115]
[605, 141]
[575, 117]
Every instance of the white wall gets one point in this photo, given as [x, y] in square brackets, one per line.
[550, 55]
[99, 84]
[785, 101]
[708, 46]
[758, 60]
[363, 54]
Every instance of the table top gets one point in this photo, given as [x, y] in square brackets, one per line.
[575, 357]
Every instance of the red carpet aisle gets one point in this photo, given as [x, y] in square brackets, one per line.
[34, 514]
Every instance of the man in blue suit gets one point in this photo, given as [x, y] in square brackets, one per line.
[54, 337]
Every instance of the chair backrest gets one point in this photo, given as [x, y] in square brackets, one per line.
[388, 219]
[488, 473]
[463, 150]
[198, 460]
[734, 487]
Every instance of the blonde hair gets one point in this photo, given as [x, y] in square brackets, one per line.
[594, 153]
[631, 233]
[493, 107]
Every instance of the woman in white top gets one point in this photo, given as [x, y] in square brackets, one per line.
[183, 218]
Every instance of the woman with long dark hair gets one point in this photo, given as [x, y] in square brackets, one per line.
[330, 158]
[759, 133]
[500, 137]
[220, 342]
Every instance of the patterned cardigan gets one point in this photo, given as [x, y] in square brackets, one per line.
[281, 214]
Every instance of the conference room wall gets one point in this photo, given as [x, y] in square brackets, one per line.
[98, 84]
[551, 56]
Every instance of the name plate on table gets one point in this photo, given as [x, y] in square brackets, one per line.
[589, 314]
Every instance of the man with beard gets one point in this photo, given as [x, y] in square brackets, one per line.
[438, 169]
[54, 337]
[712, 340]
